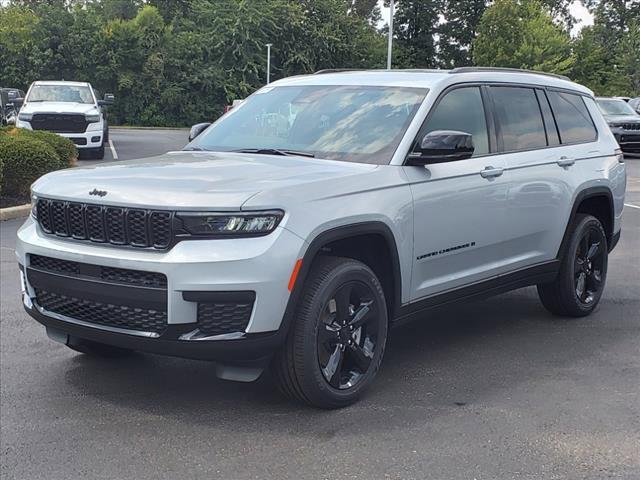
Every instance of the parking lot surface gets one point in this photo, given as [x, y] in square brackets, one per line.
[496, 389]
[130, 143]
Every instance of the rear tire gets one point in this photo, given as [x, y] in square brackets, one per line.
[336, 344]
[578, 287]
[96, 349]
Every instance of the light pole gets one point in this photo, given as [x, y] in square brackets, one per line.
[390, 42]
[269, 62]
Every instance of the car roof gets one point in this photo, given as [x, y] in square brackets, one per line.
[60, 82]
[431, 79]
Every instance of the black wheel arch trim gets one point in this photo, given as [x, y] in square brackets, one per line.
[340, 233]
[589, 192]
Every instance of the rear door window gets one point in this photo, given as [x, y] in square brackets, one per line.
[519, 119]
[572, 117]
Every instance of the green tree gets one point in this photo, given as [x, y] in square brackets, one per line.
[461, 19]
[415, 26]
[522, 34]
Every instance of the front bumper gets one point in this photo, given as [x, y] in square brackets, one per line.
[629, 141]
[89, 139]
[193, 269]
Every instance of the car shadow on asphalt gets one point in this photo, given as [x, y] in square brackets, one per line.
[452, 358]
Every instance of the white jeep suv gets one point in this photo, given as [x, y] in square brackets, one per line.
[294, 231]
[70, 109]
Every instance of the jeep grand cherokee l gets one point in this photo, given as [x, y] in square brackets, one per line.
[70, 109]
[295, 230]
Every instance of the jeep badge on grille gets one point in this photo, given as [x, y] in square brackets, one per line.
[100, 193]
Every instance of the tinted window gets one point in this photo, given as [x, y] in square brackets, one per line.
[462, 110]
[572, 117]
[519, 118]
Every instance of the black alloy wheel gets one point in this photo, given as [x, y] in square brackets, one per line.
[580, 282]
[348, 335]
[589, 265]
[336, 342]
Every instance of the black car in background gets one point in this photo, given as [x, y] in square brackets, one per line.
[8, 110]
[624, 122]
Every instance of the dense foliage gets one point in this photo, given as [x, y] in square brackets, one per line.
[177, 62]
[26, 155]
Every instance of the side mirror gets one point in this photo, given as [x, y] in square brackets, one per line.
[108, 99]
[197, 129]
[17, 103]
[442, 146]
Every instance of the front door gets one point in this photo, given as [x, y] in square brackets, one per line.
[460, 207]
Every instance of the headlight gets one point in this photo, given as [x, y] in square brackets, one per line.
[219, 224]
[92, 118]
[25, 117]
[34, 206]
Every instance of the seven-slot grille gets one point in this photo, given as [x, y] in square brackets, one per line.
[98, 223]
[59, 122]
[630, 126]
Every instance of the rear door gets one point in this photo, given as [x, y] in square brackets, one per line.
[540, 151]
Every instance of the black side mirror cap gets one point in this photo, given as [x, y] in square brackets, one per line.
[108, 99]
[197, 129]
[442, 146]
[17, 102]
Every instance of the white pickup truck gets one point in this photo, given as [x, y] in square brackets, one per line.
[70, 109]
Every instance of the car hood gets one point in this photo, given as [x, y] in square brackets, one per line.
[622, 118]
[58, 107]
[191, 180]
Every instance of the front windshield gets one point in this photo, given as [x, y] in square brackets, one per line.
[615, 107]
[60, 93]
[350, 123]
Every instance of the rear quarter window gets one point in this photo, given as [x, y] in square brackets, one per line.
[572, 117]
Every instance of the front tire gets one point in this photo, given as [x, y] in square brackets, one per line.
[98, 153]
[336, 344]
[578, 287]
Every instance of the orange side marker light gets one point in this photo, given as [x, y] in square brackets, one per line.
[294, 274]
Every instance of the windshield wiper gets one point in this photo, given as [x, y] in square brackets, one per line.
[275, 151]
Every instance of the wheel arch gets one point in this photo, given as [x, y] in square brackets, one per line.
[339, 241]
[596, 201]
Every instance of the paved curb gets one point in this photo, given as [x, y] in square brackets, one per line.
[10, 213]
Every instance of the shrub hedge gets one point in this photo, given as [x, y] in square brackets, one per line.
[26, 155]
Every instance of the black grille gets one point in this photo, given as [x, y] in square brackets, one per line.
[106, 314]
[59, 122]
[54, 265]
[110, 274]
[115, 225]
[223, 317]
[631, 126]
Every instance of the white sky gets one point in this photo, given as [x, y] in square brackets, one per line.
[577, 9]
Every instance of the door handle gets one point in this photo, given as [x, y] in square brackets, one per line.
[566, 161]
[490, 172]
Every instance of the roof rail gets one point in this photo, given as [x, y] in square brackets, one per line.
[505, 69]
[336, 70]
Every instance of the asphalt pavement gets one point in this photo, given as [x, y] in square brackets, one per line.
[132, 143]
[496, 389]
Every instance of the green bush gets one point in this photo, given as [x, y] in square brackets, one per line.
[65, 148]
[24, 159]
